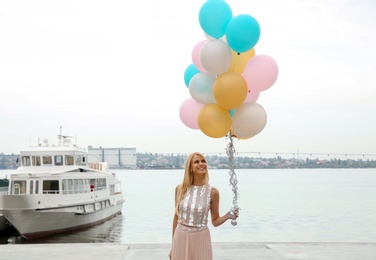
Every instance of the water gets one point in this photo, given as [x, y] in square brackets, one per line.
[287, 205]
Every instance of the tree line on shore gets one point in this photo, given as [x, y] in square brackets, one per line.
[171, 161]
[176, 161]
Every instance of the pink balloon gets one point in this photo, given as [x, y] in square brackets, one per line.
[196, 55]
[188, 113]
[252, 96]
[260, 73]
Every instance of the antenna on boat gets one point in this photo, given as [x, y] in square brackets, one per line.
[45, 141]
[63, 138]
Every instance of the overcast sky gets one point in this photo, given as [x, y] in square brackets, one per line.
[111, 74]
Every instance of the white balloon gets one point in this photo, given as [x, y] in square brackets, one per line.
[248, 120]
[201, 88]
[216, 56]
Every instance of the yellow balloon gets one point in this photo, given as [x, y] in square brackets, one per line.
[239, 60]
[214, 121]
[230, 90]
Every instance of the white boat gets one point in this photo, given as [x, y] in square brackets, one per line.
[4, 184]
[57, 190]
[3, 223]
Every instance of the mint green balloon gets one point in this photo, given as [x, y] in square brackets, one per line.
[242, 33]
[189, 72]
[214, 16]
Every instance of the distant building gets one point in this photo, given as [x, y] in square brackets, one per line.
[117, 158]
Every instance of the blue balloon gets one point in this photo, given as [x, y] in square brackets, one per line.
[190, 71]
[214, 16]
[232, 112]
[242, 33]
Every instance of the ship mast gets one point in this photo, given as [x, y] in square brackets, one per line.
[63, 138]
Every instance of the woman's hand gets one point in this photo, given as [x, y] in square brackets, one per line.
[233, 214]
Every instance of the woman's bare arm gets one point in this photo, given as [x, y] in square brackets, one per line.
[175, 220]
[217, 220]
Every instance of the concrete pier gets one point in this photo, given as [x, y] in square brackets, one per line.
[221, 251]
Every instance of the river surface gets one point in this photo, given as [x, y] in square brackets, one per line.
[287, 205]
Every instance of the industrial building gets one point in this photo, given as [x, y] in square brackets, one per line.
[117, 158]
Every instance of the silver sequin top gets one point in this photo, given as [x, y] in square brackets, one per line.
[194, 208]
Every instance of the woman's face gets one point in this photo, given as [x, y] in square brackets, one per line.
[199, 165]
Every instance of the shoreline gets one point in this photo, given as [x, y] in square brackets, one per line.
[221, 251]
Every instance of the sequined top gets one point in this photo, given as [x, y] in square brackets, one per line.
[194, 208]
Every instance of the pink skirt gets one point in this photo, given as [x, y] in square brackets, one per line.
[191, 245]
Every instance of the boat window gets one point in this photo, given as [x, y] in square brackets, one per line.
[70, 186]
[101, 184]
[50, 186]
[78, 160]
[26, 161]
[86, 185]
[47, 159]
[19, 187]
[81, 186]
[36, 187]
[117, 187]
[58, 160]
[92, 184]
[69, 160]
[31, 186]
[83, 160]
[65, 186]
[75, 185]
[36, 160]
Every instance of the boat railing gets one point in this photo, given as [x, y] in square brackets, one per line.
[98, 166]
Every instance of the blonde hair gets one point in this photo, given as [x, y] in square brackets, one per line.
[188, 180]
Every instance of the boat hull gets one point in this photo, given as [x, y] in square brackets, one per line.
[35, 223]
[3, 223]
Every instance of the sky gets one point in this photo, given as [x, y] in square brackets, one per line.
[111, 74]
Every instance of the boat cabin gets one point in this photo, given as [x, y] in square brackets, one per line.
[58, 170]
[53, 158]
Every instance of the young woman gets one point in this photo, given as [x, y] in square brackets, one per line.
[194, 198]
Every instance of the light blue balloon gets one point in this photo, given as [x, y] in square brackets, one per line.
[242, 33]
[232, 112]
[190, 71]
[214, 16]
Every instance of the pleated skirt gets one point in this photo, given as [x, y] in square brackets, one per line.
[191, 245]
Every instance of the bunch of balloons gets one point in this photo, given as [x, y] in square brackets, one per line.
[226, 76]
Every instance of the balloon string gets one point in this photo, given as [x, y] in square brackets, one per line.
[233, 178]
[235, 57]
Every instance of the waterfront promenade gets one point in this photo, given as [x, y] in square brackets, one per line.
[221, 251]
